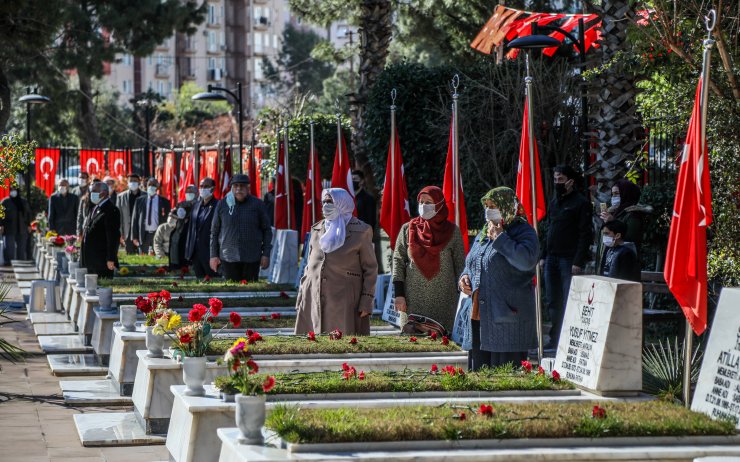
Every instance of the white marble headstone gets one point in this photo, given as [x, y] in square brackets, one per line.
[600, 346]
[285, 264]
[718, 389]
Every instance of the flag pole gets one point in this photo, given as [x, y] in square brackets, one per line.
[313, 177]
[287, 172]
[393, 136]
[455, 152]
[709, 22]
[339, 135]
[528, 80]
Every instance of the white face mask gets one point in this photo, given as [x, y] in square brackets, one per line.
[427, 211]
[205, 193]
[133, 186]
[151, 190]
[83, 182]
[181, 212]
[493, 215]
[330, 211]
[95, 198]
[616, 200]
[189, 196]
[171, 221]
[62, 190]
[13, 193]
[608, 240]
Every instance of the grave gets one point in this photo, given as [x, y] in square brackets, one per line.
[78, 364]
[102, 332]
[600, 346]
[718, 388]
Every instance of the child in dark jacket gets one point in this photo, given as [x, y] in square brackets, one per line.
[620, 258]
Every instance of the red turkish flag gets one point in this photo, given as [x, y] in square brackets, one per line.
[394, 209]
[282, 209]
[227, 173]
[209, 169]
[312, 197]
[92, 161]
[341, 175]
[47, 160]
[118, 164]
[524, 176]
[187, 177]
[451, 199]
[169, 182]
[253, 171]
[686, 256]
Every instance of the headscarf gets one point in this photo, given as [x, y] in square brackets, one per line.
[629, 194]
[336, 229]
[427, 238]
[508, 204]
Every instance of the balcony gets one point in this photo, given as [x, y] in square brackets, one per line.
[261, 23]
[215, 75]
[162, 70]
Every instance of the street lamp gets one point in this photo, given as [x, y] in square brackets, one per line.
[147, 103]
[210, 95]
[31, 97]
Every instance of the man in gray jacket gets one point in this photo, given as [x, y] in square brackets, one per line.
[125, 203]
[241, 238]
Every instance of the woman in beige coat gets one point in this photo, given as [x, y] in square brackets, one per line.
[338, 289]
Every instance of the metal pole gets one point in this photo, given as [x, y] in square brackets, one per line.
[28, 139]
[584, 95]
[708, 43]
[455, 152]
[252, 166]
[393, 138]
[241, 127]
[339, 142]
[538, 276]
[288, 194]
[312, 177]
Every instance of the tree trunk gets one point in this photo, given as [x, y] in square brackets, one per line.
[4, 100]
[86, 118]
[375, 37]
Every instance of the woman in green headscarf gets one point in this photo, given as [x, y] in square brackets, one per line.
[498, 274]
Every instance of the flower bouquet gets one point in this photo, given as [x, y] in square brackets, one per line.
[72, 250]
[159, 320]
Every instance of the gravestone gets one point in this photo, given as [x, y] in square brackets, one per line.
[600, 346]
[718, 389]
[390, 313]
[284, 258]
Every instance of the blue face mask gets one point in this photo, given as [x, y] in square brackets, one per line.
[95, 198]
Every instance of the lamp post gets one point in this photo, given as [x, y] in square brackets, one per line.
[147, 103]
[526, 43]
[31, 97]
[211, 95]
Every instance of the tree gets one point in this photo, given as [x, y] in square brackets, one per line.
[15, 157]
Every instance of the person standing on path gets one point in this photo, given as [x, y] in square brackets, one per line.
[149, 212]
[198, 243]
[125, 203]
[102, 234]
[63, 207]
[15, 225]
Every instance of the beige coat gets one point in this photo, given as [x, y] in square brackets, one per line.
[338, 285]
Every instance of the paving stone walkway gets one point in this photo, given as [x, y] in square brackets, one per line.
[35, 425]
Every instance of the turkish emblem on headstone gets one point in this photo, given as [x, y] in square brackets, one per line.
[46, 168]
[92, 161]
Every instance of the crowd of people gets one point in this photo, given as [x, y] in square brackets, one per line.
[233, 237]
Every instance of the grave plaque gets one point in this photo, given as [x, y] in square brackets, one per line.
[390, 313]
[600, 346]
[718, 389]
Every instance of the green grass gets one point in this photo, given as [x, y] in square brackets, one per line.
[138, 260]
[509, 421]
[236, 302]
[299, 344]
[148, 284]
[256, 323]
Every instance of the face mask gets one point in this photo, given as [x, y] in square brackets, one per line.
[356, 185]
[133, 186]
[189, 196]
[151, 190]
[13, 193]
[95, 198]
[560, 189]
[494, 215]
[205, 193]
[616, 200]
[608, 240]
[83, 182]
[230, 200]
[62, 190]
[427, 211]
[171, 221]
[181, 212]
[330, 211]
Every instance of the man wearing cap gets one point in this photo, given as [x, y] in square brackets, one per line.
[241, 238]
[125, 203]
[149, 211]
[198, 244]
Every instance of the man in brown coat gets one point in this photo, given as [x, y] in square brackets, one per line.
[338, 288]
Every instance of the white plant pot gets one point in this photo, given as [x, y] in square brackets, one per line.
[105, 298]
[128, 318]
[194, 375]
[80, 277]
[250, 417]
[91, 284]
[154, 343]
[73, 267]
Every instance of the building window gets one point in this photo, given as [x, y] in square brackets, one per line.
[126, 59]
[212, 17]
[127, 87]
[275, 41]
[258, 42]
[257, 12]
[212, 41]
[160, 88]
[258, 71]
[211, 63]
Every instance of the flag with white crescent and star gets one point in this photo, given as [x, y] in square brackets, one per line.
[118, 164]
[47, 160]
[92, 161]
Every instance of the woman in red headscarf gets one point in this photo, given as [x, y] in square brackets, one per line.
[427, 261]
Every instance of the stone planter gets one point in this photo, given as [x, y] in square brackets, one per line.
[128, 318]
[228, 397]
[154, 343]
[80, 277]
[250, 417]
[91, 284]
[194, 375]
[105, 298]
[72, 267]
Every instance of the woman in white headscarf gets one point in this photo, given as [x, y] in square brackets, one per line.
[338, 289]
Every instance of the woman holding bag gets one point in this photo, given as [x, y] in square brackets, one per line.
[428, 258]
[498, 274]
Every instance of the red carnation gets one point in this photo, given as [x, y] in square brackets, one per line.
[540, 370]
[275, 315]
[165, 295]
[445, 340]
[284, 294]
[461, 416]
[216, 305]
[353, 341]
[243, 282]
[555, 376]
[249, 332]
[206, 278]
[433, 336]
[336, 334]
[268, 384]
[195, 315]
[598, 412]
[235, 319]
[235, 366]
[361, 376]
[412, 339]
[434, 369]
[185, 338]
[527, 366]
[253, 367]
[185, 269]
[486, 410]
[263, 318]
[152, 295]
[161, 270]
[311, 336]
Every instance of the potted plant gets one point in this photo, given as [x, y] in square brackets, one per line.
[158, 315]
[226, 386]
[250, 402]
[192, 339]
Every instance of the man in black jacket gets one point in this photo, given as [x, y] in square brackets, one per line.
[15, 226]
[149, 212]
[63, 210]
[198, 245]
[566, 247]
[102, 234]
[125, 203]
[366, 210]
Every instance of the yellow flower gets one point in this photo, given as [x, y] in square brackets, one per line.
[174, 322]
[51, 234]
[158, 329]
[123, 271]
[239, 340]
